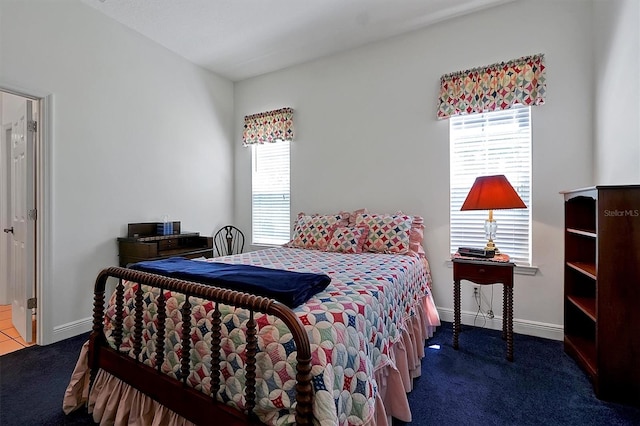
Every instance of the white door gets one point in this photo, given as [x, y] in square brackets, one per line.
[22, 218]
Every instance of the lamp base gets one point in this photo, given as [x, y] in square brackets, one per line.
[490, 228]
[491, 246]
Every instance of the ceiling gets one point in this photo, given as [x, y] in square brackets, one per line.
[239, 39]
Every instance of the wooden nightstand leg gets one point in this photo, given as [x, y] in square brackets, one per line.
[505, 310]
[510, 324]
[456, 313]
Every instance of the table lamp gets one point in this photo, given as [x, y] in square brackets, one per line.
[491, 193]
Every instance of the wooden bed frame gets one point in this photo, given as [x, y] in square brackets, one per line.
[176, 394]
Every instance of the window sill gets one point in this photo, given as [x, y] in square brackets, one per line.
[518, 270]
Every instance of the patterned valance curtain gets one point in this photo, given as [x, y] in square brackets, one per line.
[270, 126]
[494, 87]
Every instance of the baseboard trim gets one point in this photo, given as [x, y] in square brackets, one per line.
[530, 328]
[72, 329]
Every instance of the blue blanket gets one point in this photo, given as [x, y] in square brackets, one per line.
[290, 288]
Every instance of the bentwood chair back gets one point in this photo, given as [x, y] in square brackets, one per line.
[228, 240]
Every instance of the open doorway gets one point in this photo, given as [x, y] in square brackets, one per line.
[19, 116]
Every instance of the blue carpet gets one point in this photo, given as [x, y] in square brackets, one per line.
[475, 385]
[33, 381]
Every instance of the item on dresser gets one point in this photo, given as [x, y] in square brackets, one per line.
[476, 252]
[166, 227]
[145, 241]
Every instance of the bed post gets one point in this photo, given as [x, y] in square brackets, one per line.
[96, 338]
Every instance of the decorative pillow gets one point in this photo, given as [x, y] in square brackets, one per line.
[313, 231]
[416, 235]
[348, 239]
[354, 215]
[387, 233]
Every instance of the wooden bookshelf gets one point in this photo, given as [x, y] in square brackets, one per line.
[602, 288]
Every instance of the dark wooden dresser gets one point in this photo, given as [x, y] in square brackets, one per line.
[143, 242]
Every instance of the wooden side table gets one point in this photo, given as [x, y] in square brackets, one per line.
[485, 272]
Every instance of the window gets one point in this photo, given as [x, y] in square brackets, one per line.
[270, 193]
[492, 143]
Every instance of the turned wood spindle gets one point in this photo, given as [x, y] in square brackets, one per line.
[117, 320]
[185, 357]
[215, 352]
[137, 323]
[250, 368]
[161, 318]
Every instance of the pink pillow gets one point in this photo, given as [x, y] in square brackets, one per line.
[348, 239]
[354, 215]
[313, 231]
[417, 235]
[387, 233]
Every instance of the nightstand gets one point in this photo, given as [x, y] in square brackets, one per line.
[483, 272]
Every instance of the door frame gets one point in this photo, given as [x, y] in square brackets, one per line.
[43, 184]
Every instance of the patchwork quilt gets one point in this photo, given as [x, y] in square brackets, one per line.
[351, 326]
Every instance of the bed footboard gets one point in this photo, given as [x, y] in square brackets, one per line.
[176, 394]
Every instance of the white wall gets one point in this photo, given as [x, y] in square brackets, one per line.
[367, 135]
[617, 100]
[138, 132]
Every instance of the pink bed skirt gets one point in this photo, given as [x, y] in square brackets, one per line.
[112, 401]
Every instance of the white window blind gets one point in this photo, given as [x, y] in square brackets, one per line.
[270, 193]
[492, 143]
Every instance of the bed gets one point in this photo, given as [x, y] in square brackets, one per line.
[346, 356]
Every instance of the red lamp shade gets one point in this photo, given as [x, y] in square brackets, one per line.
[492, 193]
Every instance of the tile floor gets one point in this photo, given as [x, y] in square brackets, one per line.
[10, 340]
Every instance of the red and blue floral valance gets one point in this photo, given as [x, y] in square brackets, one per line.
[494, 87]
[270, 126]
